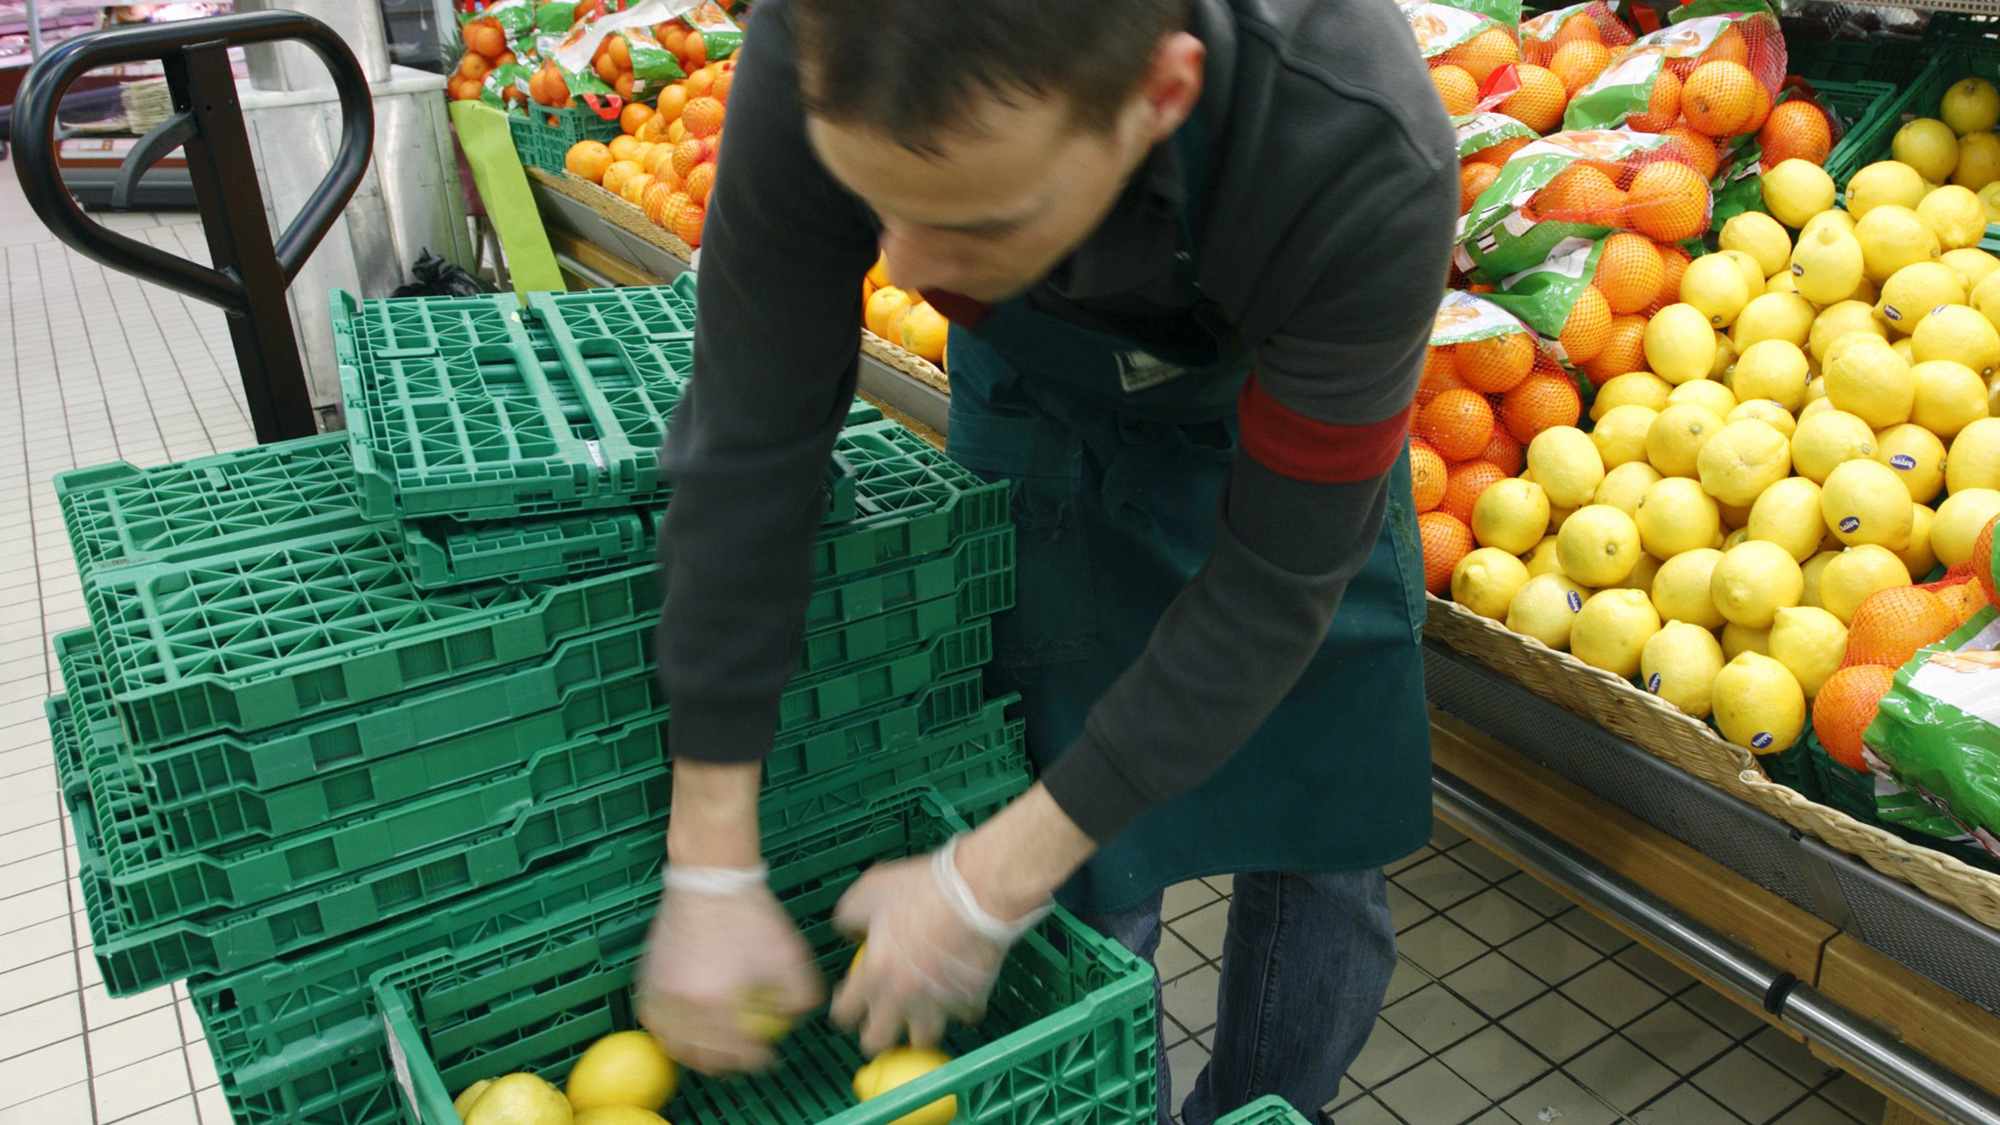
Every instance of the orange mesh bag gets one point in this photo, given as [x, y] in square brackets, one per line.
[1490, 385]
[1547, 34]
[1718, 69]
[1475, 38]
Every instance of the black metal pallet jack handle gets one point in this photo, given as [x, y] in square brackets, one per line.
[250, 272]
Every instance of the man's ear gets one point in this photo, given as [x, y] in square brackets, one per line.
[1173, 82]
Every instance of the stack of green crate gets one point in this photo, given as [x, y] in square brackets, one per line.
[293, 758]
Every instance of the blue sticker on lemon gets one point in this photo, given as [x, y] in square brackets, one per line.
[1653, 683]
[1575, 601]
[1850, 523]
[1761, 741]
[1903, 461]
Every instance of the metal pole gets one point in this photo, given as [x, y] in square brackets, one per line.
[1859, 1045]
[34, 31]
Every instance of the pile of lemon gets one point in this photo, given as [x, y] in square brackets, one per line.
[1813, 426]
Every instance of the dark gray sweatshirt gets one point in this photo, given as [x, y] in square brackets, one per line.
[1333, 198]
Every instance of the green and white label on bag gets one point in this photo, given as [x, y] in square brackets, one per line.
[1480, 131]
[1440, 27]
[1465, 316]
[1498, 238]
[1626, 86]
[1544, 294]
[1938, 735]
[1543, 28]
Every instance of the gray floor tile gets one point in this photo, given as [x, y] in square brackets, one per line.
[1494, 917]
[1677, 1037]
[1473, 854]
[1406, 979]
[1191, 998]
[1388, 1053]
[1752, 1087]
[1817, 1111]
[1439, 946]
[1855, 1097]
[1444, 837]
[1601, 935]
[1496, 1063]
[1495, 985]
[1186, 1061]
[1685, 1105]
[1557, 1097]
[1551, 953]
[1433, 1018]
[1406, 909]
[1555, 1027]
[1441, 882]
[1617, 1071]
[1612, 994]
[1205, 928]
[1536, 894]
[1655, 970]
[1175, 957]
[1432, 1093]
[1792, 1057]
[1184, 897]
[1365, 1111]
[1720, 1010]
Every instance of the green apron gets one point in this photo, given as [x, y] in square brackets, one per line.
[1117, 457]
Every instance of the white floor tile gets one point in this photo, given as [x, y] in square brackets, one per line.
[128, 1090]
[38, 1025]
[42, 1071]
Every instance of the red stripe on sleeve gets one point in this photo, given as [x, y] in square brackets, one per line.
[1293, 445]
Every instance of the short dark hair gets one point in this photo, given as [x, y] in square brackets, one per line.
[916, 69]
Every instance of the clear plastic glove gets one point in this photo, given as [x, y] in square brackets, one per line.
[726, 972]
[933, 953]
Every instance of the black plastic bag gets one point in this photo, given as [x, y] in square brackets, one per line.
[436, 277]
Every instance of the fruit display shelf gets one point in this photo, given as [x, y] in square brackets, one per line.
[1068, 1034]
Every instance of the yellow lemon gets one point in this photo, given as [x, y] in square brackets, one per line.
[1916, 456]
[1787, 513]
[1612, 630]
[1545, 608]
[1955, 215]
[1781, 283]
[1848, 579]
[1742, 460]
[1625, 486]
[1765, 411]
[1960, 519]
[1598, 546]
[1828, 438]
[1810, 643]
[1901, 346]
[1989, 198]
[1681, 589]
[1929, 146]
[1759, 704]
[619, 1115]
[463, 1103]
[1915, 290]
[1634, 388]
[1725, 360]
[1737, 640]
[1970, 106]
[1866, 378]
[1839, 320]
[1734, 516]
[1714, 285]
[1760, 236]
[1675, 515]
[1829, 218]
[1753, 581]
[1641, 578]
[1796, 191]
[1959, 334]
[1511, 515]
[1752, 270]
[1975, 457]
[1950, 397]
[1566, 463]
[1620, 436]
[899, 1066]
[623, 1068]
[1486, 580]
[1775, 370]
[1827, 264]
[1919, 557]
[1542, 559]
[1812, 570]
[1815, 403]
[1679, 664]
[1704, 392]
[1985, 297]
[1973, 265]
[1773, 316]
[1978, 160]
[521, 1099]
[1884, 183]
[1674, 441]
[1866, 502]
[1892, 237]
[1680, 344]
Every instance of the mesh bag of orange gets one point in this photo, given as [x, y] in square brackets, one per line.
[1717, 70]
[1464, 43]
[615, 59]
[1580, 185]
[1592, 22]
[1799, 127]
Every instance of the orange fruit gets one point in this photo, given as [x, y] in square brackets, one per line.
[1579, 28]
[1505, 452]
[634, 115]
[1473, 179]
[687, 154]
[1670, 200]
[1693, 149]
[1542, 403]
[484, 36]
[1500, 153]
[723, 80]
[1456, 423]
[688, 221]
[1965, 599]
[1446, 540]
[653, 130]
[1676, 261]
[1629, 272]
[635, 187]
[673, 100]
[1464, 484]
[620, 171]
[1624, 350]
[654, 201]
[923, 331]
[1795, 130]
[696, 48]
[1891, 625]
[1730, 46]
[885, 310]
[625, 148]
[1663, 106]
[588, 159]
[1540, 101]
[1456, 87]
[1844, 707]
[1721, 99]
[700, 82]
[700, 181]
[659, 160]
[878, 274]
[1579, 62]
[703, 117]
[1427, 476]
[1496, 364]
[1484, 53]
[475, 66]
[1982, 560]
[1580, 193]
[1440, 374]
[1588, 328]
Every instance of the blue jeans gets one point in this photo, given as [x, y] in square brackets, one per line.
[1305, 965]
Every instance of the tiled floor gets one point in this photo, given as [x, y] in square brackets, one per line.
[1507, 1006]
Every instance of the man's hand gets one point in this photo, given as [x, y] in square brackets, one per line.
[939, 926]
[724, 967]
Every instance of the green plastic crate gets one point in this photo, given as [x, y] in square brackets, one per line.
[1861, 108]
[1265, 1111]
[1949, 61]
[544, 135]
[133, 960]
[1891, 61]
[119, 515]
[300, 1042]
[415, 327]
[1068, 1035]
[624, 312]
